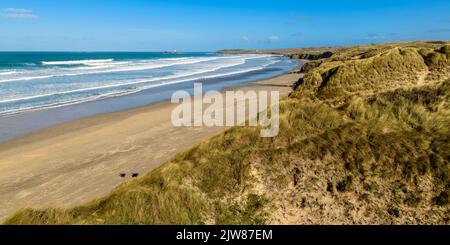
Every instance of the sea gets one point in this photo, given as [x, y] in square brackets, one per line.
[84, 83]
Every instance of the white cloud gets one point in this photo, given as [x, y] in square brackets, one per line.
[245, 38]
[274, 39]
[18, 13]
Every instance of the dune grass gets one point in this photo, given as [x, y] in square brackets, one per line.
[364, 139]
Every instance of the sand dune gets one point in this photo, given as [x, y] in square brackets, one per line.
[71, 163]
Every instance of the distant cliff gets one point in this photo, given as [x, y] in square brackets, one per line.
[295, 53]
[309, 56]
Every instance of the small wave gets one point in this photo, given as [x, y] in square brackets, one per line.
[64, 103]
[120, 84]
[4, 73]
[25, 78]
[150, 80]
[77, 62]
[161, 81]
[140, 66]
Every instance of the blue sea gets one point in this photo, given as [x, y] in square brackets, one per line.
[41, 80]
[41, 89]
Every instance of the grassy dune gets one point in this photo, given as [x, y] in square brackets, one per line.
[367, 70]
[364, 139]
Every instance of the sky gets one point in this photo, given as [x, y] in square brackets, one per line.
[199, 25]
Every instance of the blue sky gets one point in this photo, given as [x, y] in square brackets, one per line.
[139, 25]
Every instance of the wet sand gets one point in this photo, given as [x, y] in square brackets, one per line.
[77, 161]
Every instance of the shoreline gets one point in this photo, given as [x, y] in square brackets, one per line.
[17, 125]
[77, 161]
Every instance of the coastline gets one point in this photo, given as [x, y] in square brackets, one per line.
[19, 124]
[71, 163]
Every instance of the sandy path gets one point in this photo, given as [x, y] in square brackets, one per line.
[78, 161]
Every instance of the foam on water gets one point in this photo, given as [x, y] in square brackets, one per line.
[77, 62]
[55, 83]
[106, 67]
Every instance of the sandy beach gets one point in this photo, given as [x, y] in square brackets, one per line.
[77, 161]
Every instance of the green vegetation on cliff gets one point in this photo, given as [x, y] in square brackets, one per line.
[364, 139]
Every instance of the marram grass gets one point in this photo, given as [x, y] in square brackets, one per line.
[364, 139]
